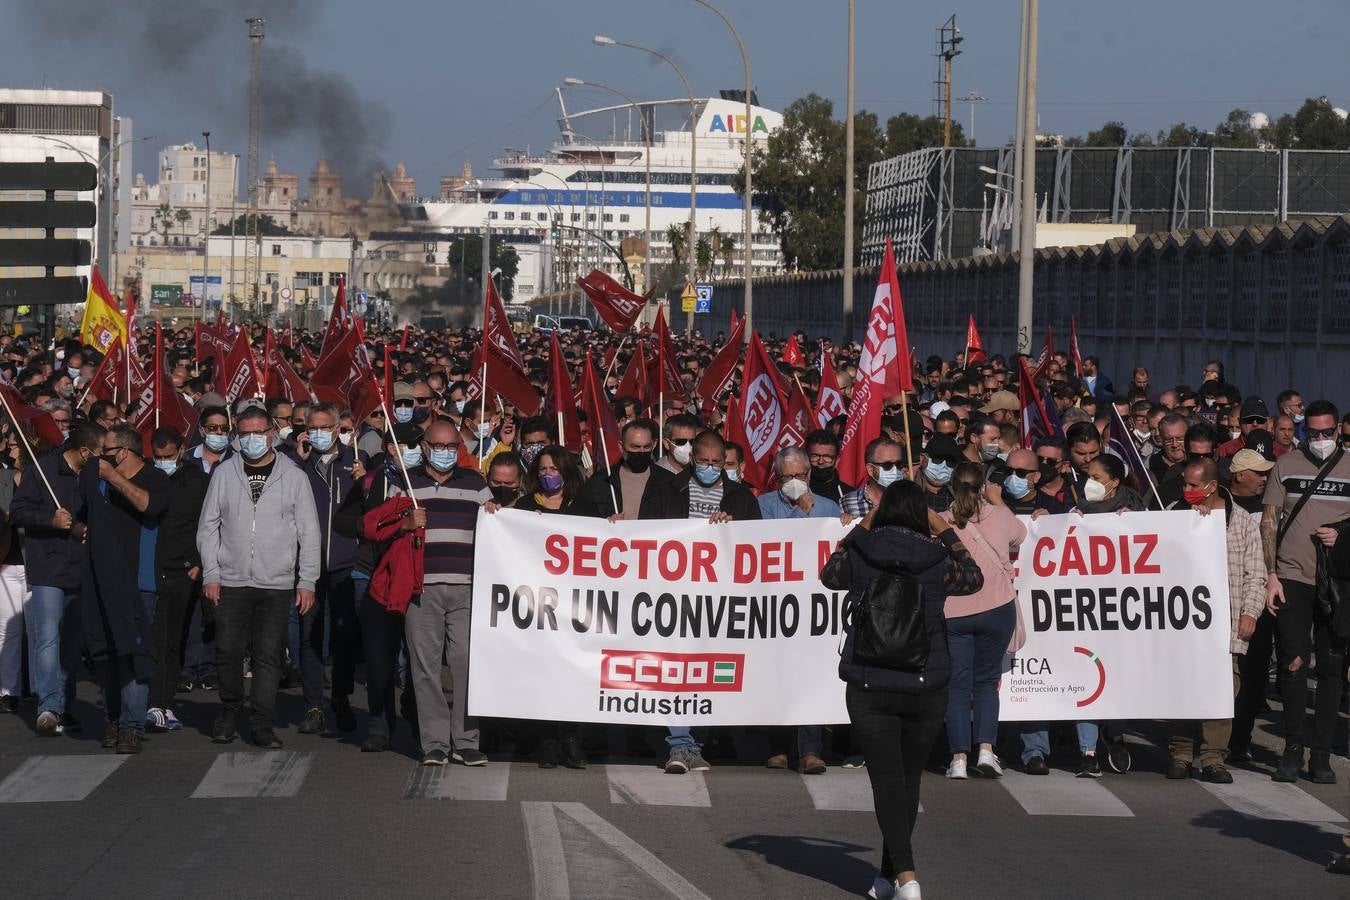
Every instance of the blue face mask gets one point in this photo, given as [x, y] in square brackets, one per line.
[1016, 486]
[443, 460]
[732, 474]
[216, 443]
[253, 446]
[167, 466]
[937, 472]
[321, 440]
[707, 475]
[888, 477]
[403, 414]
[412, 456]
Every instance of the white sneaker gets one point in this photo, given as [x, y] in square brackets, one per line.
[957, 769]
[882, 889]
[989, 765]
[909, 891]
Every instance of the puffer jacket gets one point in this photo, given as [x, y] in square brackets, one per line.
[942, 565]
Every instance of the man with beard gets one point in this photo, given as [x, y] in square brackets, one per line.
[822, 449]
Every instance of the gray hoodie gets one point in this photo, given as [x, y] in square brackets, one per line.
[244, 544]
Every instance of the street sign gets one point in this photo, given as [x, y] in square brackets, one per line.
[688, 297]
[49, 214]
[48, 176]
[166, 294]
[42, 291]
[704, 302]
[44, 252]
[285, 293]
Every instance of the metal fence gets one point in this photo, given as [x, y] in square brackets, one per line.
[1272, 302]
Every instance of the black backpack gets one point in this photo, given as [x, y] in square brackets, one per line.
[890, 628]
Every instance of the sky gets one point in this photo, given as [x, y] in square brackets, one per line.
[433, 83]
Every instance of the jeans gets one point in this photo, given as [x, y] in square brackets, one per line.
[125, 699]
[54, 616]
[896, 732]
[381, 636]
[977, 645]
[436, 628]
[1036, 739]
[168, 632]
[13, 599]
[251, 617]
[681, 737]
[1300, 632]
[809, 739]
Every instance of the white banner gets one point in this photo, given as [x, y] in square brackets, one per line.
[669, 622]
[1127, 617]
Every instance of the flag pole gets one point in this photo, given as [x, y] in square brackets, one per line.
[29, 447]
[613, 362]
[158, 370]
[909, 453]
[398, 457]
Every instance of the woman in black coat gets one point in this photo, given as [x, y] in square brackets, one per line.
[896, 715]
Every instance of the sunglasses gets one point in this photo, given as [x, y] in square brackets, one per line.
[1254, 420]
[404, 404]
[682, 442]
[1045, 460]
[1023, 473]
[1322, 432]
[885, 466]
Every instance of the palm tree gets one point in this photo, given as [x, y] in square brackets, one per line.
[183, 217]
[703, 257]
[675, 235]
[726, 248]
[163, 220]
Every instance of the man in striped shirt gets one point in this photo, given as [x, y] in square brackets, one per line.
[448, 497]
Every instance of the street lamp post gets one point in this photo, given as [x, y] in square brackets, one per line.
[206, 230]
[749, 226]
[1026, 263]
[848, 185]
[973, 97]
[602, 41]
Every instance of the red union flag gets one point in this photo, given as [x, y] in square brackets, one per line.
[647, 670]
[238, 377]
[974, 346]
[617, 305]
[829, 401]
[497, 333]
[717, 376]
[763, 414]
[344, 376]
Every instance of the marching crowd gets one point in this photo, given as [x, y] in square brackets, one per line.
[283, 543]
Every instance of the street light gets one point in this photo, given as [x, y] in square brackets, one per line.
[206, 230]
[601, 41]
[973, 97]
[749, 142]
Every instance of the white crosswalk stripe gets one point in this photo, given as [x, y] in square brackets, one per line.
[268, 773]
[848, 790]
[458, 782]
[1255, 795]
[1061, 794]
[47, 779]
[650, 786]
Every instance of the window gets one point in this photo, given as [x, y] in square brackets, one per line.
[576, 217]
[492, 214]
[276, 249]
[542, 217]
[623, 217]
[609, 217]
[590, 217]
[510, 216]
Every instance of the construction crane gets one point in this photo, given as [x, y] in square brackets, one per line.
[253, 236]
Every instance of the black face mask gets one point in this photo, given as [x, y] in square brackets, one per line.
[824, 478]
[1049, 473]
[504, 495]
[421, 414]
[637, 462]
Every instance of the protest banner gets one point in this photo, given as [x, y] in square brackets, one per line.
[1126, 617]
[656, 623]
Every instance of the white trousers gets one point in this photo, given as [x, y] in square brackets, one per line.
[13, 598]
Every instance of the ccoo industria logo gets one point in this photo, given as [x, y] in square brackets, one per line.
[644, 670]
[1101, 677]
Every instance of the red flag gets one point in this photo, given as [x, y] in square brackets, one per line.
[213, 342]
[792, 354]
[344, 376]
[662, 375]
[733, 430]
[1074, 354]
[403, 342]
[1047, 352]
[617, 305]
[307, 359]
[561, 406]
[606, 445]
[736, 321]
[504, 381]
[829, 400]
[763, 415]
[799, 412]
[718, 374]
[634, 380]
[497, 333]
[238, 377]
[1038, 420]
[281, 379]
[388, 378]
[131, 313]
[109, 380]
[160, 405]
[41, 425]
[974, 346]
[289, 339]
[339, 323]
[880, 372]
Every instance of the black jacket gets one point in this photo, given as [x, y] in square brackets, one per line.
[603, 490]
[176, 544]
[671, 500]
[53, 558]
[332, 484]
[363, 496]
[943, 567]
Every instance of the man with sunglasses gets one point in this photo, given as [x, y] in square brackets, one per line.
[1021, 483]
[677, 438]
[1291, 563]
[885, 466]
[1252, 415]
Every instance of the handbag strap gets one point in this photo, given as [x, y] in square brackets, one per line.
[1307, 495]
[984, 542]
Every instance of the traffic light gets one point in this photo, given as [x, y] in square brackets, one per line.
[48, 214]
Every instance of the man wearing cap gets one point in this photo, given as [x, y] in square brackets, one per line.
[1249, 469]
[941, 457]
[1252, 416]
[1002, 407]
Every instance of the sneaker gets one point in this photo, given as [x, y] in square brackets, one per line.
[470, 756]
[1036, 766]
[376, 743]
[1290, 763]
[157, 719]
[1180, 770]
[128, 741]
[697, 763]
[342, 711]
[226, 726]
[1216, 774]
[1319, 767]
[1118, 756]
[1089, 767]
[435, 758]
[882, 889]
[314, 722]
[110, 735]
[909, 891]
[812, 764]
[48, 724]
[989, 765]
[956, 770]
[171, 722]
[266, 739]
[677, 763]
[9, 704]
[208, 683]
[184, 686]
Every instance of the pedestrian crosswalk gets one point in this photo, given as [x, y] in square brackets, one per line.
[241, 775]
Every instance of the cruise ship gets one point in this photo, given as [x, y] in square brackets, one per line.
[572, 208]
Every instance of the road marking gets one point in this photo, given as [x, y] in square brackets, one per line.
[458, 783]
[650, 786]
[49, 779]
[846, 790]
[1257, 796]
[1061, 794]
[550, 854]
[266, 773]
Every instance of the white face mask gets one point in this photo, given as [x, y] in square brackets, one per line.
[682, 453]
[1093, 490]
[794, 489]
[989, 452]
[1322, 448]
[1298, 418]
[283, 433]
[1143, 435]
[1235, 433]
[345, 437]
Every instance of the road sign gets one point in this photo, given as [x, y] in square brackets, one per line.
[285, 293]
[49, 214]
[42, 291]
[704, 302]
[688, 297]
[166, 294]
[48, 176]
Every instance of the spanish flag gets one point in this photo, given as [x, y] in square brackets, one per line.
[103, 323]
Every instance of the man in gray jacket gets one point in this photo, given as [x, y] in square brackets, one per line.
[259, 541]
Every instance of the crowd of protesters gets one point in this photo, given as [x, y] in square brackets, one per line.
[238, 558]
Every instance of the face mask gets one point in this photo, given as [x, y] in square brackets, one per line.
[73, 373]
[1322, 448]
[1093, 490]
[1049, 472]
[550, 483]
[443, 460]
[1235, 433]
[988, 452]
[65, 434]
[1194, 496]
[421, 413]
[732, 474]
[216, 443]
[167, 466]
[1143, 435]
[887, 477]
[794, 489]
[345, 437]
[1016, 486]
[1004, 454]
[504, 495]
[529, 452]
[412, 456]
[283, 433]
[1298, 418]
[938, 473]
[253, 446]
[682, 453]
[459, 406]
[707, 475]
[403, 414]
[68, 391]
[321, 440]
[637, 462]
[824, 478]
[484, 429]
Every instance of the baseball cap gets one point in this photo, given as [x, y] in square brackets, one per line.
[210, 398]
[1250, 461]
[939, 407]
[1262, 442]
[1001, 400]
[406, 434]
[404, 391]
[248, 403]
[1253, 407]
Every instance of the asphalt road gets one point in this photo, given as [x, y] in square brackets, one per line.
[319, 819]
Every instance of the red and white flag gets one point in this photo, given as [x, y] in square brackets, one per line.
[281, 380]
[238, 376]
[717, 376]
[562, 406]
[339, 322]
[663, 377]
[344, 376]
[605, 442]
[763, 415]
[634, 380]
[792, 353]
[617, 305]
[829, 401]
[974, 346]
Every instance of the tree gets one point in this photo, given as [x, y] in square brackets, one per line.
[1236, 131]
[267, 226]
[906, 132]
[1183, 135]
[501, 255]
[726, 248]
[183, 216]
[703, 257]
[676, 236]
[163, 220]
[1318, 127]
[1112, 134]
